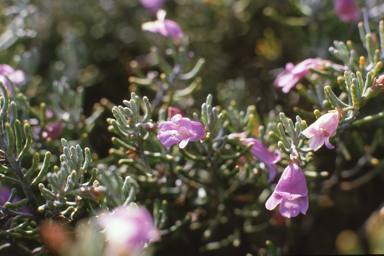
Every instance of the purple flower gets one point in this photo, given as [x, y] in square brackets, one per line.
[128, 228]
[347, 10]
[15, 76]
[292, 74]
[291, 192]
[321, 130]
[163, 26]
[180, 129]
[263, 154]
[152, 5]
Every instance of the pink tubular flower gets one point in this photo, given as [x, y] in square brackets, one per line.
[263, 154]
[128, 228]
[180, 129]
[292, 74]
[152, 5]
[320, 131]
[291, 192]
[347, 10]
[15, 76]
[163, 26]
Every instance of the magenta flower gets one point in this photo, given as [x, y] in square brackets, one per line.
[263, 154]
[320, 131]
[152, 5]
[180, 129]
[347, 10]
[53, 130]
[292, 74]
[291, 192]
[174, 111]
[128, 228]
[163, 26]
[15, 76]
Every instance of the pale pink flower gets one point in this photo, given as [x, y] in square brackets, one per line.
[291, 192]
[263, 154]
[127, 229]
[347, 10]
[152, 5]
[163, 26]
[320, 131]
[180, 129]
[292, 74]
[15, 76]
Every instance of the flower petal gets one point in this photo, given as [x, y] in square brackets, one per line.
[309, 132]
[292, 181]
[168, 138]
[273, 201]
[328, 144]
[303, 204]
[272, 171]
[290, 208]
[198, 132]
[167, 126]
[17, 77]
[316, 142]
[183, 143]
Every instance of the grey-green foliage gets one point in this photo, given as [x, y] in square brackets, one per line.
[178, 81]
[118, 191]
[67, 184]
[15, 143]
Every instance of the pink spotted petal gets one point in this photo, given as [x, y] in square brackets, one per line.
[329, 122]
